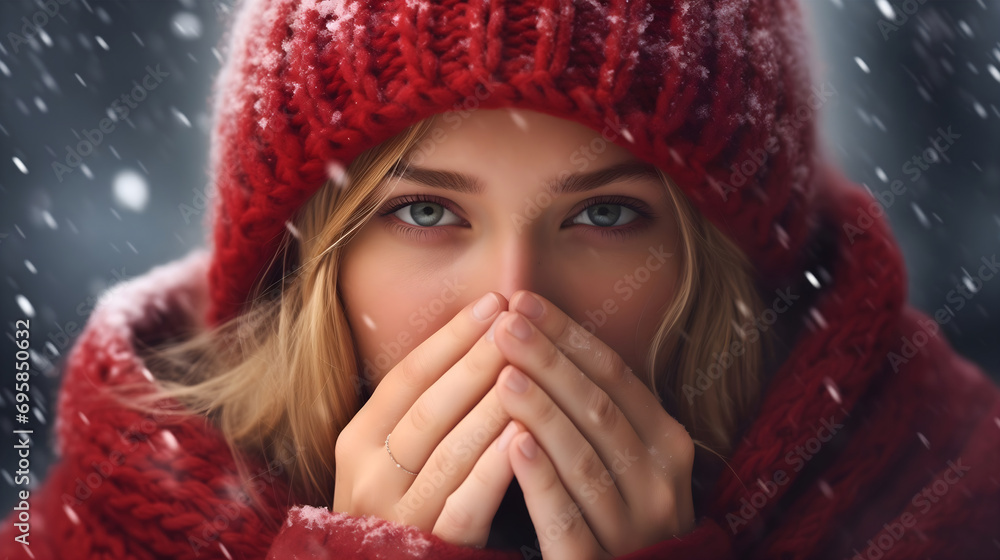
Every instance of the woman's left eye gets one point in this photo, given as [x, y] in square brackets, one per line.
[606, 215]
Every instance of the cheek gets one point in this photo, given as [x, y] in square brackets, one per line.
[624, 309]
[374, 307]
[387, 322]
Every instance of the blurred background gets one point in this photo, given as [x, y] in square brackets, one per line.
[82, 209]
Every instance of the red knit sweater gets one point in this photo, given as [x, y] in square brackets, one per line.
[874, 440]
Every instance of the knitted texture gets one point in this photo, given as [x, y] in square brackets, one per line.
[714, 93]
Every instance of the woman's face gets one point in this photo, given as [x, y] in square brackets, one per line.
[479, 209]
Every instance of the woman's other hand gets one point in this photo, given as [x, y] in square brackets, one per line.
[605, 470]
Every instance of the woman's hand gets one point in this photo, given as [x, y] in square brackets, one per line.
[603, 467]
[442, 411]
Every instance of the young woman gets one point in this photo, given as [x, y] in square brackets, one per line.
[512, 280]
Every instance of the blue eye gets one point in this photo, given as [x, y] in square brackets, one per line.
[606, 215]
[425, 214]
[615, 217]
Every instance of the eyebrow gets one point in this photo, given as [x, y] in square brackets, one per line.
[573, 183]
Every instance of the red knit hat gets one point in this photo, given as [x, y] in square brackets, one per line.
[716, 93]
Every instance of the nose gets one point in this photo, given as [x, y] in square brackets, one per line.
[518, 263]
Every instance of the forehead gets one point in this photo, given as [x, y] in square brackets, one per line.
[516, 137]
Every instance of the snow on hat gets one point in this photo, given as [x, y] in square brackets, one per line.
[716, 93]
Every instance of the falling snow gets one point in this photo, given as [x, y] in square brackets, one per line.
[49, 220]
[967, 280]
[336, 171]
[186, 25]
[25, 305]
[921, 217]
[71, 514]
[818, 318]
[886, 8]
[861, 64]
[292, 229]
[181, 117]
[20, 165]
[743, 308]
[368, 321]
[169, 440]
[993, 72]
[965, 28]
[824, 487]
[980, 110]
[832, 389]
[782, 235]
[518, 119]
[131, 190]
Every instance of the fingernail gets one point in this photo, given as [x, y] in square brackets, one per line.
[489, 333]
[519, 328]
[508, 433]
[529, 447]
[529, 306]
[516, 381]
[486, 307]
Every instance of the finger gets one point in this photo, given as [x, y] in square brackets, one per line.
[469, 511]
[605, 368]
[561, 529]
[445, 403]
[587, 479]
[423, 365]
[452, 461]
[590, 412]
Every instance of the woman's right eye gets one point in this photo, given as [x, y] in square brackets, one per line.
[423, 213]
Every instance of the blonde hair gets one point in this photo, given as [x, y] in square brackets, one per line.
[251, 374]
